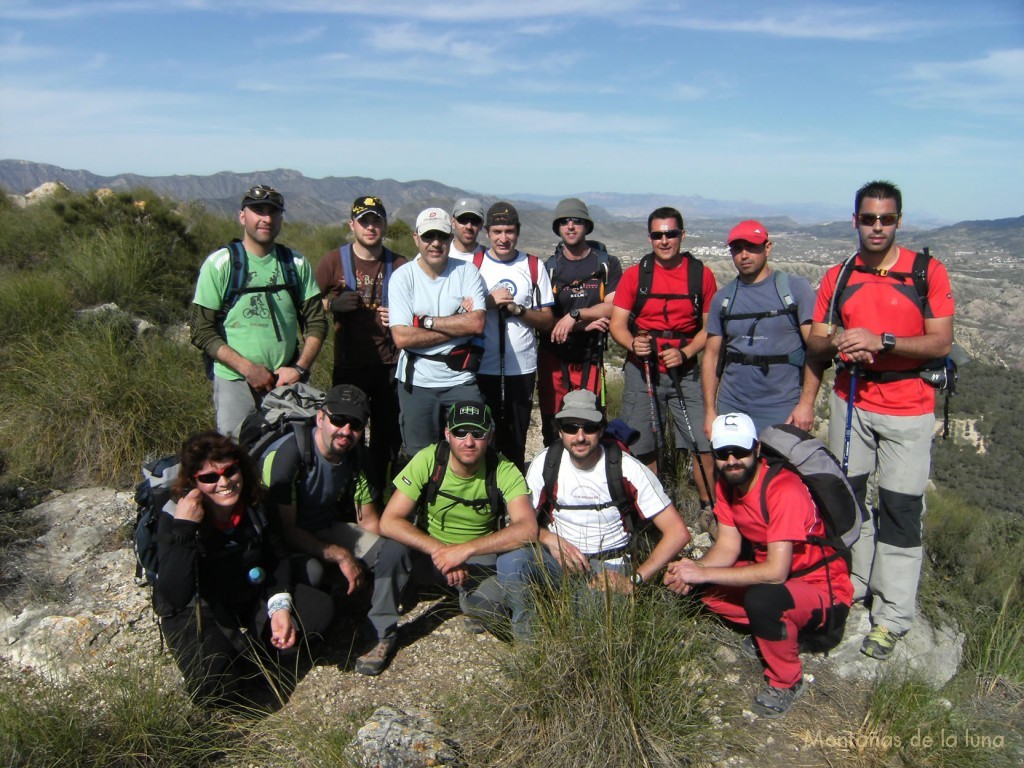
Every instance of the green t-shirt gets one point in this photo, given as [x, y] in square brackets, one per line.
[447, 520]
[261, 327]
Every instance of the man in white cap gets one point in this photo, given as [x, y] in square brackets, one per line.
[754, 359]
[467, 220]
[590, 495]
[790, 587]
[436, 316]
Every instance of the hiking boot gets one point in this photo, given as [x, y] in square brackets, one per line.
[376, 660]
[749, 648]
[880, 643]
[473, 626]
[707, 521]
[775, 702]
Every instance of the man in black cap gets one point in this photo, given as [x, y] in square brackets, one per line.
[319, 486]
[583, 279]
[355, 279]
[447, 521]
[252, 298]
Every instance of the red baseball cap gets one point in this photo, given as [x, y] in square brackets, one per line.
[751, 231]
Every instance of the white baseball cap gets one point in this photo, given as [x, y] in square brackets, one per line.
[733, 430]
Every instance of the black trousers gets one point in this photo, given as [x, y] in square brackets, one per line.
[511, 416]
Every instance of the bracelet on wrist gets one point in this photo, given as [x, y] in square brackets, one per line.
[282, 601]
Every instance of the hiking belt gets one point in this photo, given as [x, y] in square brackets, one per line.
[763, 361]
[611, 554]
[465, 357]
[885, 377]
[669, 335]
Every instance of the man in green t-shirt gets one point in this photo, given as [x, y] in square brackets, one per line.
[455, 539]
[253, 340]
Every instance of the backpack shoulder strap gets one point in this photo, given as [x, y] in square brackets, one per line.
[552, 461]
[843, 278]
[534, 265]
[774, 467]
[726, 309]
[919, 274]
[616, 486]
[286, 259]
[643, 286]
[495, 498]
[603, 269]
[348, 269]
[478, 258]
[389, 268]
[237, 275]
[695, 280]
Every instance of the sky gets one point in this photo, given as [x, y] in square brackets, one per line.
[770, 102]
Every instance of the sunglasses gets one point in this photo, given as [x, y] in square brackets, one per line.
[356, 425]
[429, 237]
[468, 220]
[723, 454]
[571, 220]
[260, 192]
[572, 427]
[869, 219]
[463, 432]
[670, 234]
[211, 477]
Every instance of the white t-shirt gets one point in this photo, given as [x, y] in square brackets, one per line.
[595, 530]
[521, 344]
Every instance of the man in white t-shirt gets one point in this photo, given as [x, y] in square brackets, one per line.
[436, 318]
[519, 302]
[586, 522]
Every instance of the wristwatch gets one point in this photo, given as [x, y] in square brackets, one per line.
[636, 579]
[303, 373]
[428, 323]
[888, 342]
[575, 314]
[516, 310]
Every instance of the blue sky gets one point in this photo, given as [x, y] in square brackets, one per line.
[769, 102]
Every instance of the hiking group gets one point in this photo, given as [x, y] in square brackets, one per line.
[256, 531]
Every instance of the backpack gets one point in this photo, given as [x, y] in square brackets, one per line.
[789, 307]
[532, 262]
[152, 496]
[287, 410]
[495, 500]
[786, 446]
[695, 284]
[349, 271]
[615, 441]
[236, 287]
[601, 273]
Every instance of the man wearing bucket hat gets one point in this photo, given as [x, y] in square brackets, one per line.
[791, 586]
[583, 279]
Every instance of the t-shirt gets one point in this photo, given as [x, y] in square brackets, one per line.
[521, 343]
[414, 293]
[887, 305]
[361, 338]
[325, 495]
[261, 327]
[449, 521]
[677, 314]
[577, 285]
[792, 516]
[596, 530]
[747, 388]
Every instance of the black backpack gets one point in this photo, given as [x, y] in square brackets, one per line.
[695, 284]
[152, 497]
[495, 500]
[601, 274]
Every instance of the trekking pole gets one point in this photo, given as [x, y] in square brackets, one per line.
[673, 373]
[650, 368]
[502, 332]
[849, 418]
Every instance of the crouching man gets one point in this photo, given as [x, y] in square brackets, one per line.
[790, 587]
[590, 495]
[444, 521]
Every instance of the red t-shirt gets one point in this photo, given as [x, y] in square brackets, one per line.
[888, 305]
[665, 314]
[792, 516]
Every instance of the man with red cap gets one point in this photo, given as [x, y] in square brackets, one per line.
[754, 359]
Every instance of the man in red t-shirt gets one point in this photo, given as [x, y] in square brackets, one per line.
[791, 587]
[364, 353]
[886, 332]
[667, 334]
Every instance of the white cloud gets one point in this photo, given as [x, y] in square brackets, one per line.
[814, 22]
[992, 84]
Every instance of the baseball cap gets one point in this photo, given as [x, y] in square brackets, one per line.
[468, 205]
[469, 413]
[751, 231]
[261, 194]
[433, 220]
[347, 400]
[364, 205]
[733, 430]
[502, 214]
[580, 404]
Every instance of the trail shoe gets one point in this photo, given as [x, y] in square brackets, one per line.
[749, 648]
[880, 643]
[376, 660]
[473, 626]
[707, 521]
[775, 702]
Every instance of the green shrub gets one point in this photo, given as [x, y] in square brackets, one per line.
[33, 302]
[89, 405]
[29, 237]
[606, 680]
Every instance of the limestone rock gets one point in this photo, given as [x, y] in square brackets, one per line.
[392, 738]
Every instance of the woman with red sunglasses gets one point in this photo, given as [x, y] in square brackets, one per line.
[219, 572]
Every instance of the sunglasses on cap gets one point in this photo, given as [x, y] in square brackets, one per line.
[463, 432]
[572, 427]
[869, 219]
[212, 476]
[262, 193]
[723, 454]
[341, 420]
